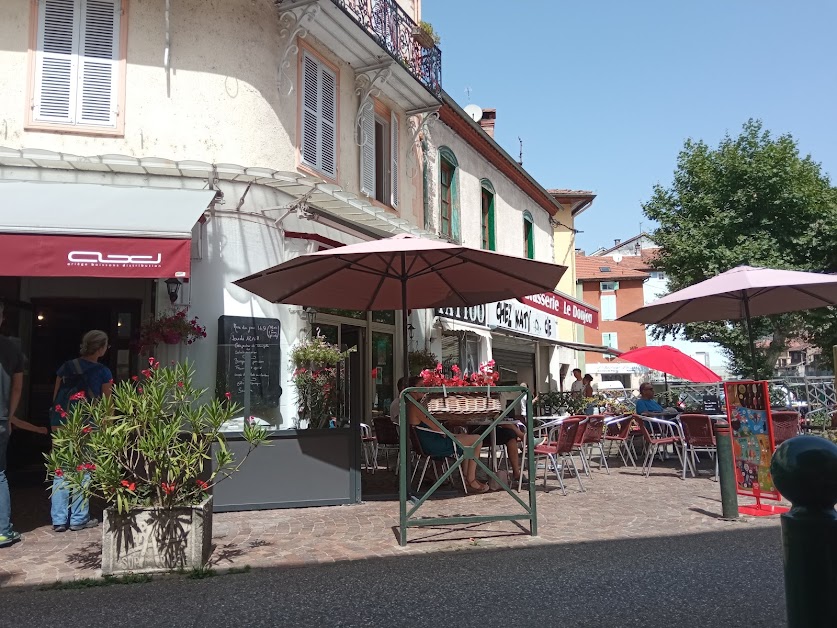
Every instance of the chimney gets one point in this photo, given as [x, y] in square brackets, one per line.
[580, 252]
[616, 242]
[487, 121]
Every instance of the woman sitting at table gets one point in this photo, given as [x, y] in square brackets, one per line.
[646, 405]
[436, 443]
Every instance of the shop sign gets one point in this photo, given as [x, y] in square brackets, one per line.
[474, 315]
[521, 318]
[564, 307]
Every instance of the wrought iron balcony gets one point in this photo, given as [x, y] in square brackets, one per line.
[390, 26]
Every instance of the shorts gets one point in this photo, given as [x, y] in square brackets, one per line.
[503, 434]
[436, 444]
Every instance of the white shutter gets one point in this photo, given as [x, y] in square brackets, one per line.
[608, 307]
[393, 151]
[367, 150]
[328, 121]
[98, 59]
[55, 65]
[310, 111]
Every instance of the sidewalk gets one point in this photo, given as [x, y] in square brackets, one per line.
[622, 505]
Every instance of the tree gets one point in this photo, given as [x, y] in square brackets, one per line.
[752, 200]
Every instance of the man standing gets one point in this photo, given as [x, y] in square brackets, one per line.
[11, 384]
[578, 385]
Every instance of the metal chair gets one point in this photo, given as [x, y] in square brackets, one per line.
[369, 446]
[591, 438]
[697, 430]
[416, 443]
[388, 440]
[658, 435]
[618, 430]
[560, 444]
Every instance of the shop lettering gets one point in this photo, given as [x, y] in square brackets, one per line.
[97, 257]
[522, 318]
[474, 314]
[565, 308]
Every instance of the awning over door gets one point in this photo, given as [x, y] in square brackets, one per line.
[84, 230]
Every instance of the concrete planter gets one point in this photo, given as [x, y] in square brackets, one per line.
[153, 540]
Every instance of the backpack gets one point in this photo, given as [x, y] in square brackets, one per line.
[70, 385]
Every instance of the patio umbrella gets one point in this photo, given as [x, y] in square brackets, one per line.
[402, 273]
[671, 361]
[738, 294]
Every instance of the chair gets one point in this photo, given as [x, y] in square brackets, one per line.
[369, 446]
[697, 430]
[416, 443]
[388, 438]
[658, 434]
[618, 430]
[590, 438]
[785, 426]
[540, 433]
[560, 444]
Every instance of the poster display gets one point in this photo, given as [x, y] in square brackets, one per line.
[751, 424]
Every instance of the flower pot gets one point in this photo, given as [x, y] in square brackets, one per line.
[172, 338]
[154, 540]
[423, 38]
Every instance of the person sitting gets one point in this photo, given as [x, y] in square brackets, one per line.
[436, 443]
[646, 404]
[395, 406]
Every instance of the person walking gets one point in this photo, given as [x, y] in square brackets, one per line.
[95, 379]
[11, 385]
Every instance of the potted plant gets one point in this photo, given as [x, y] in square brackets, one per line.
[421, 360]
[459, 401]
[172, 329]
[315, 362]
[425, 36]
[144, 451]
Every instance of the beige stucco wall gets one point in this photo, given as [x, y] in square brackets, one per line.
[223, 104]
[564, 245]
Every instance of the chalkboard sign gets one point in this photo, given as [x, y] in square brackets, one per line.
[260, 337]
[711, 404]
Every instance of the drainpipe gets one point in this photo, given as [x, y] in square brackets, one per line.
[425, 173]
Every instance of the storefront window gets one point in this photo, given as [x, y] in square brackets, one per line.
[472, 354]
[386, 316]
[382, 371]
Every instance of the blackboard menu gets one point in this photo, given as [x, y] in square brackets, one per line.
[260, 337]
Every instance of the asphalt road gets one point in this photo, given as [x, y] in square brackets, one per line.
[724, 579]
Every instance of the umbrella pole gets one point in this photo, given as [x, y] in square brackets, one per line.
[750, 333]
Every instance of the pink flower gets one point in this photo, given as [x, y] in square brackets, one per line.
[146, 373]
[150, 361]
[79, 395]
[202, 485]
[59, 473]
[180, 384]
[86, 430]
[228, 395]
[168, 489]
[134, 377]
[131, 486]
[374, 373]
[139, 390]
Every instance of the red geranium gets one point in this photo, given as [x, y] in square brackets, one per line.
[202, 485]
[131, 486]
[59, 473]
[168, 489]
[78, 396]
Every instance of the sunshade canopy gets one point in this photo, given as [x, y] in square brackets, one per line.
[671, 361]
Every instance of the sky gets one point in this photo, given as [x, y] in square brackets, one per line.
[603, 93]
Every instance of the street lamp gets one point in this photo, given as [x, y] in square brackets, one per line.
[173, 288]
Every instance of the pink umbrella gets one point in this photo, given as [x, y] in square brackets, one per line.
[740, 293]
[402, 273]
[671, 361]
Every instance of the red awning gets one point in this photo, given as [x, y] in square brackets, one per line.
[566, 307]
[29, 255]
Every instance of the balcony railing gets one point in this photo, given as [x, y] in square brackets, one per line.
[390, 26]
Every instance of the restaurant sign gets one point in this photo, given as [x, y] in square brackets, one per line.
[562, 306]
[474, 315]
[523, 319]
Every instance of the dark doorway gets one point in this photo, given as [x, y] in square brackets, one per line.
[352, 387]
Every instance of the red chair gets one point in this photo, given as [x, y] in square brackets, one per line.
[619, 430]
[591, 437]
[697, 430]
[388, 439]
[415, 441]
[658, 434]
[785, 426]
[560, 444]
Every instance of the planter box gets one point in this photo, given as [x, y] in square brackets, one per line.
[423, 39]
[153, 540]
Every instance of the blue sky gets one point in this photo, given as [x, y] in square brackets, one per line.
[603, 93]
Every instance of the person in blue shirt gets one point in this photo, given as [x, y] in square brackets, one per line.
[646, 404]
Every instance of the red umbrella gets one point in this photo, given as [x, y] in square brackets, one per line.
[402, 273]
[671, 361]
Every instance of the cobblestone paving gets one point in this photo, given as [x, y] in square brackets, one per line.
[617, 506]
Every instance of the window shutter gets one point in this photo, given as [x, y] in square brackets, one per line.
[55, 69]
[608, 305]
[393, 150]
[367, 150]
[310, 110]
[328, 121]
[98, 56]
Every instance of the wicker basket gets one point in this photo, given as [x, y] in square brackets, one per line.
[462, 405]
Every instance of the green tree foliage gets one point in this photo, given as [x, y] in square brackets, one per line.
[752, 200]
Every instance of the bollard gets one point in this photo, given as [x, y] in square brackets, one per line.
[726, 471]
[804, 470]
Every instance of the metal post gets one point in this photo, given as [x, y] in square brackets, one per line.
[726, 470]
[804, 470]
[530, 463]
[404, 455]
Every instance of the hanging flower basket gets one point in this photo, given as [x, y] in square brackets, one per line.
[171, 329]
[171, 338]
[459, 402]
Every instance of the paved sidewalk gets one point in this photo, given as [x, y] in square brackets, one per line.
[623, 505]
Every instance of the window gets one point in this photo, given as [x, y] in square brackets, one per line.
[608, 307]
[609, 339]
[608, 286]
[319, 115]
[487, 217]
[77, 54]
[379, 154]
[656, 274]
[528, 236]
[448, 195]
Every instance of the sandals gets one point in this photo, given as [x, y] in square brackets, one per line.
[477, 487]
